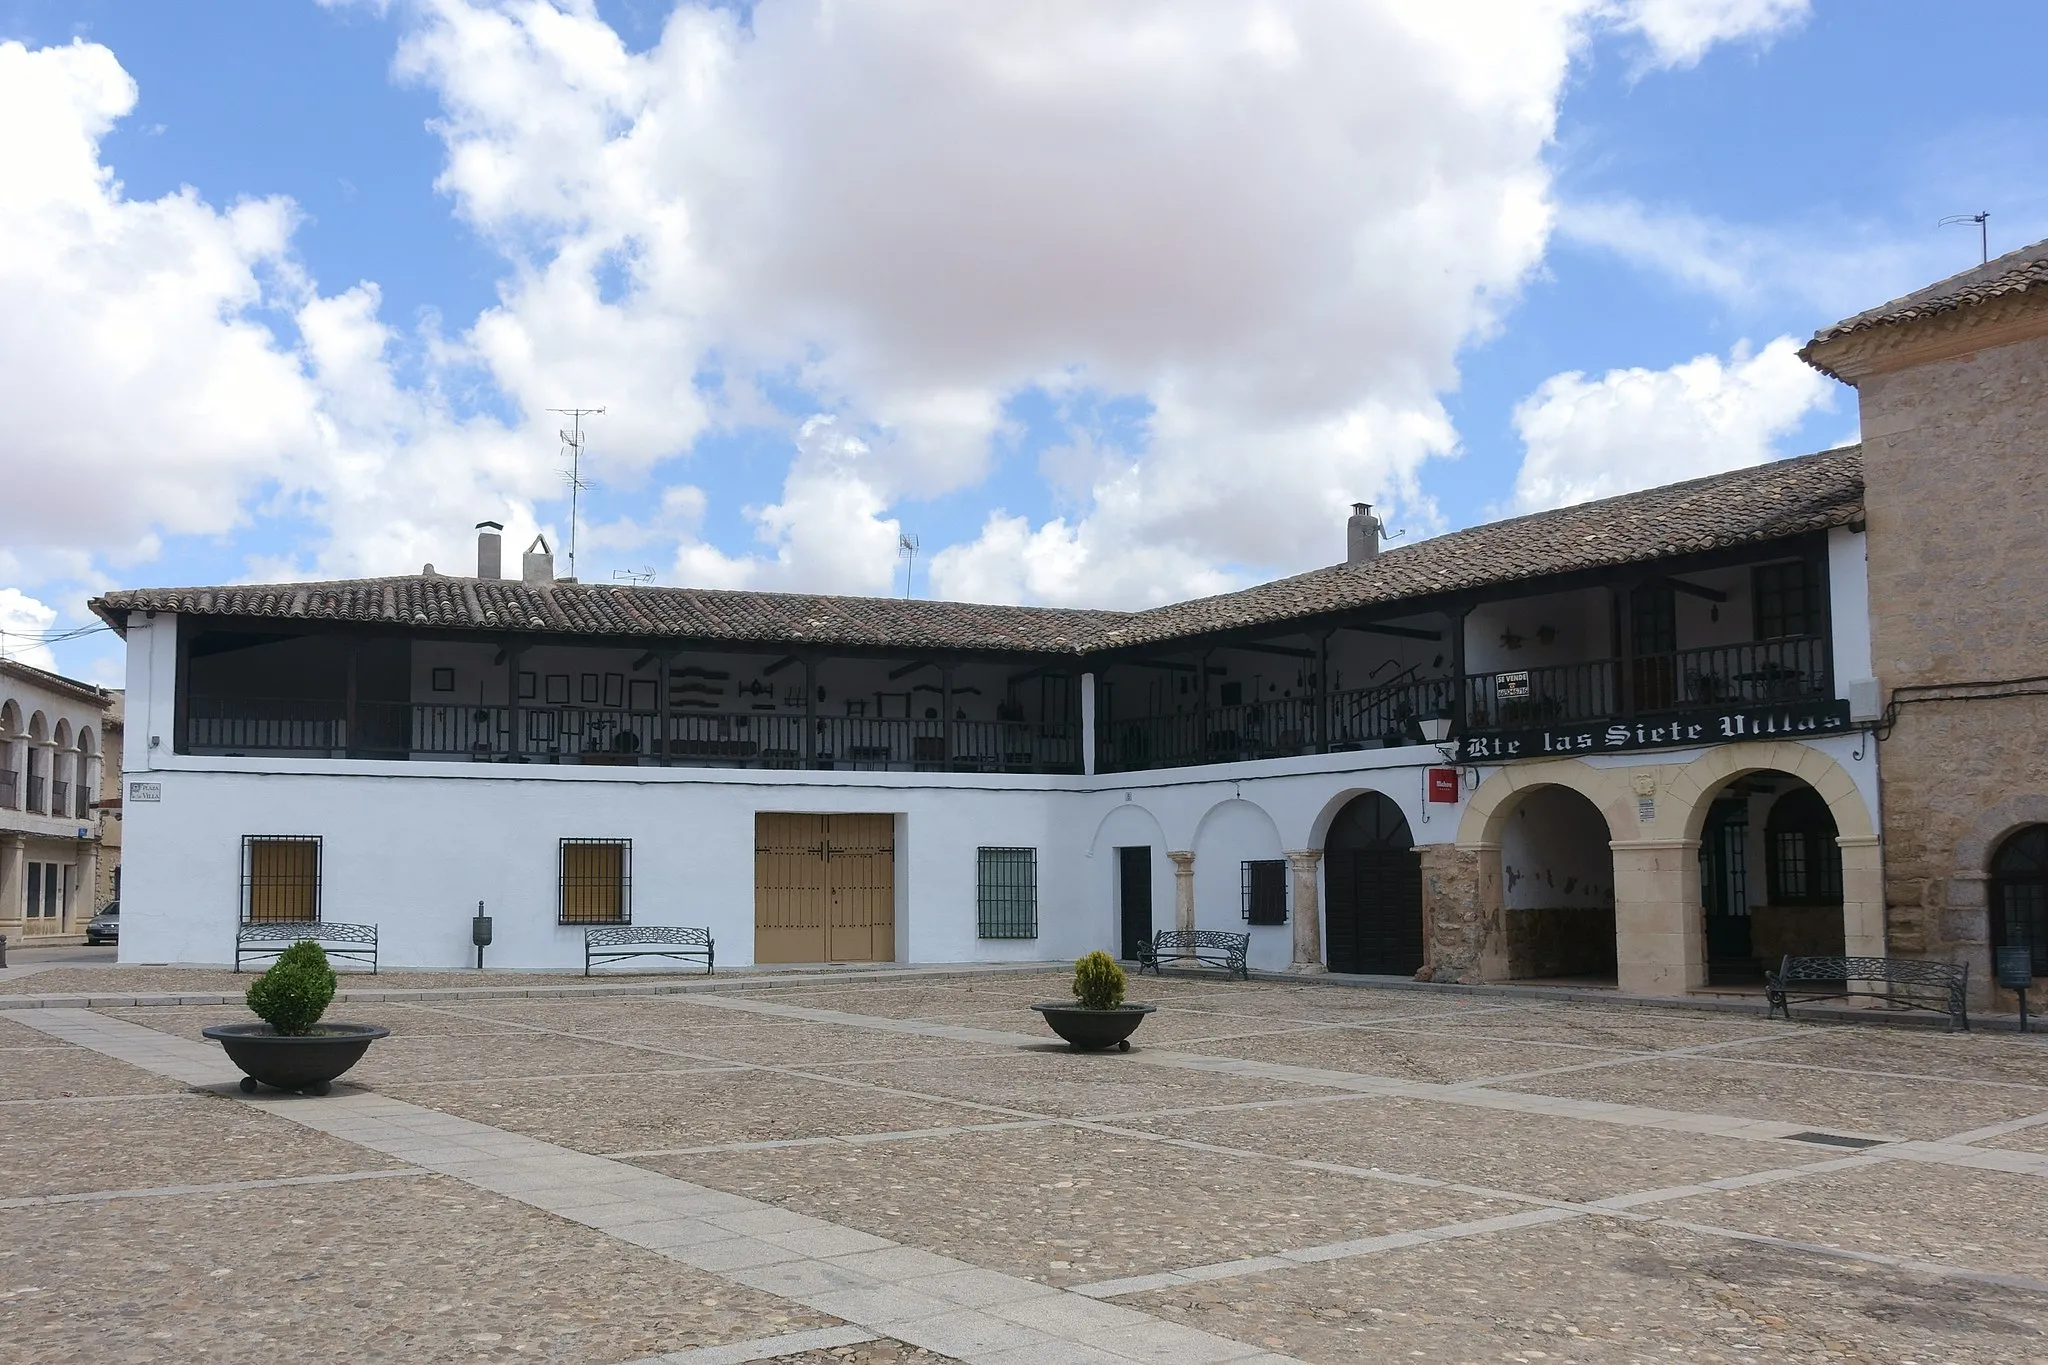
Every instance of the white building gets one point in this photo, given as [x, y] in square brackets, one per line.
[51, 752]
[1659, 770]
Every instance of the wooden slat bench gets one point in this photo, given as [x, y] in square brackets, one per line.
[676, 941]
[1197, 948]
[1940, 987]
[350, 942]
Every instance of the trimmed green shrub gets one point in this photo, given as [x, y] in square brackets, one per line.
[296, 991]
[1098, 982]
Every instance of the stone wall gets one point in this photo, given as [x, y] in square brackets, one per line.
[1956, 465]
[1565, 940]
[1454, 930]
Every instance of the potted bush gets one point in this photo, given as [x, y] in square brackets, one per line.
[1098, 1018]
[291, 1049]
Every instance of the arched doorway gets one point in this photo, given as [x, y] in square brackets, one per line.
[1373, 879]
[1770, 876]
[2019, 894]
[1557, 888]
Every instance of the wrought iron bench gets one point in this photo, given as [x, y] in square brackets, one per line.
[1940, 987]
[349, 942]
[1196, 947]
[646, 940]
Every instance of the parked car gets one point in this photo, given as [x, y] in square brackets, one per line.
[105, 927]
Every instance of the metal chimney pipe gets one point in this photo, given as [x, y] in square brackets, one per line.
[1362, 534]
[490, 550]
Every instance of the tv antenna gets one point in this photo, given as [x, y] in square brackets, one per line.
[636, 577]
[906, 550]
[1983, 232]
[572, 443]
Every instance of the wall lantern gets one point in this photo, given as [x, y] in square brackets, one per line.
[1435, 729]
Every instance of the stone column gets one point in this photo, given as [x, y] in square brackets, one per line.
[85, 889]
[12, 847]
[1863, 897]
[1660, 935]
[1453, 921]
[1307, 911]
[1183, 888]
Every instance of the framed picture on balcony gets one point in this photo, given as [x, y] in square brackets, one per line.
[640, 696]
[614, 690]
[590, 693]
[444, 680]
[529, 686]
[558, 689]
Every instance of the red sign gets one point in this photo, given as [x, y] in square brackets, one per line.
[1443, 786]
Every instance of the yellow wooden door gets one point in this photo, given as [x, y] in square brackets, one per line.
[824, 888]
[860, 874]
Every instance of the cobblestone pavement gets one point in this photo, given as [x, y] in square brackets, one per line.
[903, 1172]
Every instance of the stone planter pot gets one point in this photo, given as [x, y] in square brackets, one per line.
[1094, 1030]
[297, 1062]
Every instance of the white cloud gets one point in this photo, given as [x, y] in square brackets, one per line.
[23, 624]
[1635, 428]
[1275, 225]
[1680, 32]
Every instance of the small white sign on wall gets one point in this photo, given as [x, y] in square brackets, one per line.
[145, 791]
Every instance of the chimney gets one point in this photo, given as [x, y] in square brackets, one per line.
[537, 565]
[1362, 534]
[490, 550]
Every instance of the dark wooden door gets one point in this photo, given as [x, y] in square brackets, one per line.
[1724, 883]
[1134, 898]
[1372, 877]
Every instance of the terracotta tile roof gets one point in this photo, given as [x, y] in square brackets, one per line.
[2013, 273]
[1767, 502]
[55, 682]
[1749, 506]
[445, 603]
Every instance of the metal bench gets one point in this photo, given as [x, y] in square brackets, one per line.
[1940, 987]
[646, 940]
[1198, 948]
[349, 942]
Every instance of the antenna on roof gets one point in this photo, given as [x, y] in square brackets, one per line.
[906, 550]
[1983, 232]
[572, 443]
[633, 576]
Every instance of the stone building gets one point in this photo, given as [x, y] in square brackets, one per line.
[1638, 742]
[1952, 382]
[52, 766]
[109, 809]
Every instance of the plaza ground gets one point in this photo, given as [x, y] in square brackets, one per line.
[887, 1167]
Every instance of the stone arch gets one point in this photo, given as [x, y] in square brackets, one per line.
[61, 737]
[1131, 825]
[1319, 828]
[1499, 795]
[1694, 789]
[1125, 812]
[38, 727]
[1229, 808]
[1230, 834]
[1374, 922]
[10, 719]
[1993, 827]
[88, 741]
[1699, 781]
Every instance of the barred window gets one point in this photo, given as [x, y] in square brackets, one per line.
[1802, 863]
[280, 878]
[1263, 884]
[597, 881]
[1784, 601]
[1006, 892]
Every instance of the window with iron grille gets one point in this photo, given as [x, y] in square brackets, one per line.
[1784, 601]
[280, 878]
[597, 881]
[1802, 861]
[1006, 892]
[1263, 883]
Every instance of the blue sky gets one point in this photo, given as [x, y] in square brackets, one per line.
[783, 402]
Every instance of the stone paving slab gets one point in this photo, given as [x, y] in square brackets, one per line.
[1535, 1154]
[44, 1073]
[649, 1112]
[1831, 1101]
[2033, 1139]
[425, 1270]
[866, 1353]
[13, 1035]
[418, 1059]
[1995, 1222]
[1054, 1080]
[1623, 1029]
[1067, 1206]
[180, 1139]
[404, 1021]
[1945, 1056]
[1408, 1056]
[796, 1044]
[900, 1002]
[1605, 1293]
